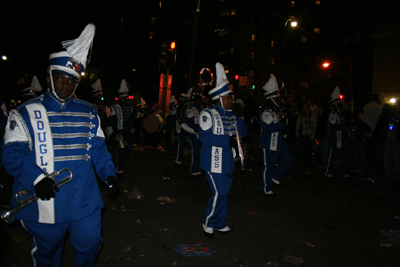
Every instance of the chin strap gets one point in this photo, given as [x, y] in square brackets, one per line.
[54, 92]
[275, 103]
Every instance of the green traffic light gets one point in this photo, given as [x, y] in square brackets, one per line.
[253, 87]
[102, 98]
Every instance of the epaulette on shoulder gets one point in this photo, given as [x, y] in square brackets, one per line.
[35, 100]
[83, 102]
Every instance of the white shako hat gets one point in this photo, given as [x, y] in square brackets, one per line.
[335, 97]
[222, 86]
[35, 87]
[123, 89]
[97, 89]
[73, 61]
[188, 94]
[271, 88]
[172, 101]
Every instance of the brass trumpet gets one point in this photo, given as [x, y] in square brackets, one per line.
[240, 150]
[7, 213]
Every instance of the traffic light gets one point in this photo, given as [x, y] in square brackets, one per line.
[172, 46]
[253, 86]
[237, 77]
[171, 56]
[163, 55]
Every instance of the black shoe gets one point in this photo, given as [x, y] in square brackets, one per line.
[269, 193]
[208, 231]
[208, 234]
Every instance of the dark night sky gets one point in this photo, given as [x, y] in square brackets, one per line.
[31, 31]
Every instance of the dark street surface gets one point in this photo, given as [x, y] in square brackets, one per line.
[325, 222]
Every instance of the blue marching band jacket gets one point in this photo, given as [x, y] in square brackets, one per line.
[191, 125]
[271, 130]
[336, 130]
[44, 135]
[217, 125]
[121, 116]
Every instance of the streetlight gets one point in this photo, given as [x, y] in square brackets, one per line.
[326, 64]
[4, 57]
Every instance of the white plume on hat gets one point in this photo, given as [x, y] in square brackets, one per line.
[271, 88]
[97, 89]
[35, 84]
[221, 75]
[124, 88]
[221, 87]
[335, 97]
[142, 102]
[172, 100]
[73, 61]
[35, 87]
[188, 94]
[79, 47]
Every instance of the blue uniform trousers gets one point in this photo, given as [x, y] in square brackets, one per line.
[334, 152]
[181, 145]
[269, 170]
[48, 241]
[217, 207]
[195, 143]
[122, 156]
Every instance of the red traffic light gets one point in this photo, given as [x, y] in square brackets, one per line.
[131, 97]
[236, 77]
[341, 97]
[172, 46]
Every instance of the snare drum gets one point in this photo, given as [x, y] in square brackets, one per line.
[153, 123]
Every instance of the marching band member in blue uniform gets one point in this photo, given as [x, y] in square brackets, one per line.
[30, 92]
[98, 103]
[170, 120]
[337, 141]
[217, 131]
[191, 126]
[49, 133]
[181, 133]
[272, 144]
[121, 119]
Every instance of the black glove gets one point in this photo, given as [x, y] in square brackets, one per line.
[112, 184]
[237, 110]
[45, 189]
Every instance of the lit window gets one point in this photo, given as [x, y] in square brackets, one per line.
[272, 43]
[232, 50]
[151, 35]
[304, 39]
[292, 3]
[227, 12]
[252, 55]
[253, 37]
[304, 84]
[271, 60]
[153, 20]
[317, 30]
[317, 2]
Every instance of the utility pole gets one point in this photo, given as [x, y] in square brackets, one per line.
[196, 22]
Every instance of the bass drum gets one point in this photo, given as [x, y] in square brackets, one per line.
[153, 123]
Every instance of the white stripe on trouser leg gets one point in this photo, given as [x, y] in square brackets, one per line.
[177, 151]
[214, 202]
[191, 165]
[265, 171]
[329, 161]
[33, 249]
